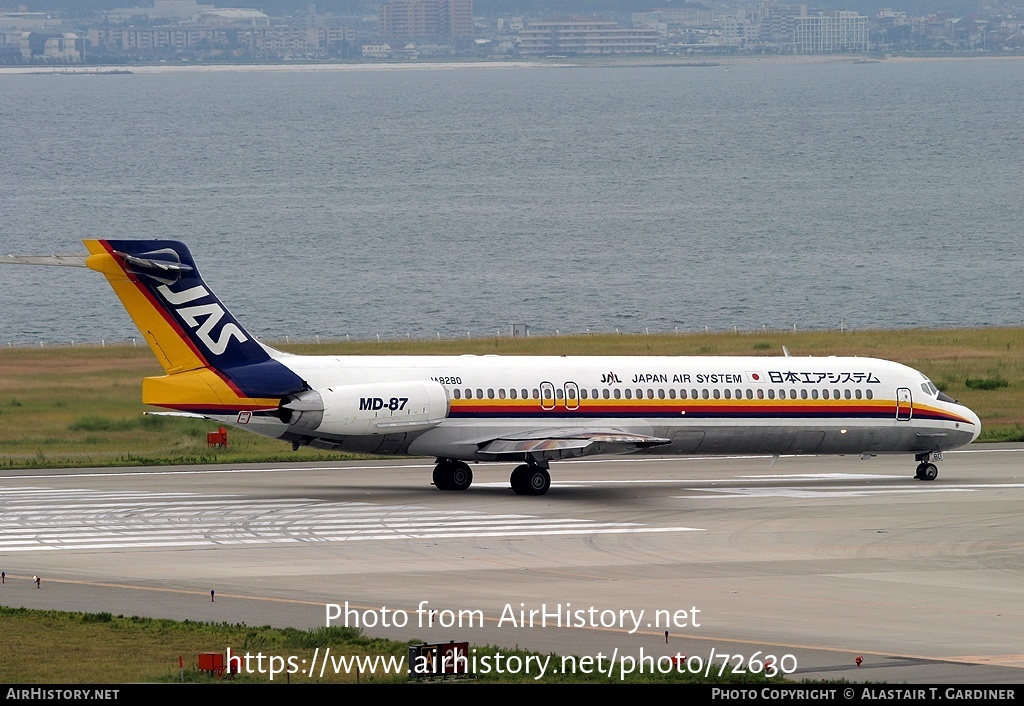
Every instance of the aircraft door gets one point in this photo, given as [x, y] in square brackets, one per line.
[547, 395]
[572, 395]
[904, 404]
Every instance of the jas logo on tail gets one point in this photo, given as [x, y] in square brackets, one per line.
[203, 318]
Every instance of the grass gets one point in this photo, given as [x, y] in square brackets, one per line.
[80, 406]
[57, 647]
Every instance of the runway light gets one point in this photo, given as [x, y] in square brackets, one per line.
[859, 660]
[842, 431]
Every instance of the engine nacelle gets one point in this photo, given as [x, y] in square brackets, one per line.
[376, 408]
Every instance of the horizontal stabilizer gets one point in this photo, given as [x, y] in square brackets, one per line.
[61, 260]
[186, 415]
[554, 444]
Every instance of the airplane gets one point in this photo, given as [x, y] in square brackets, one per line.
[529, 410]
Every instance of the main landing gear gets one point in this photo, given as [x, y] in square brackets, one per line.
[531, 478]
[926, 470]
[452, 475]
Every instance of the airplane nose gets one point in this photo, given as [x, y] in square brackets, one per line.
[976, 420]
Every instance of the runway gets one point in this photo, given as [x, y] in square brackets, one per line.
[815, 560]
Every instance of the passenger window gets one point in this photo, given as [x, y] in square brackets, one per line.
[771, 394]
[512, 393]
[869, 394]
[728, 394]
[618, 393]
[629, 394]
[605, 394]
[717, 393]
[456, 394]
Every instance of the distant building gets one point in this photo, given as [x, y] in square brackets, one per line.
[682, 17]
[256, 40]
[232, 17]
[52, 46]
[162, 9]
[377, 51]
[582, 36]
[426, 19]
[841, 31]
[28, 20]
[779, 22]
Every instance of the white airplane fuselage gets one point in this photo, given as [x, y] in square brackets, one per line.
[698, 405]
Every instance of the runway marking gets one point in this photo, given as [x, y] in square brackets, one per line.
[841, 491]
[42, 519]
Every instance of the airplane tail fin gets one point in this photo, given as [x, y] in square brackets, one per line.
[212, 362]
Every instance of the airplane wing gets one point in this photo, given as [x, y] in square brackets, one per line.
[555, 444]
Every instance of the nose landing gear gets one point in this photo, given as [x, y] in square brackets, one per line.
[926, 470]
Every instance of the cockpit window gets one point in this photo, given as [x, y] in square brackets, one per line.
[929, 387]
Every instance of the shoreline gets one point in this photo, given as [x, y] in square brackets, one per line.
[138, 343]
[702, 61]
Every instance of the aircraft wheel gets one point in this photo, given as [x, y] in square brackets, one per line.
[929, 471]
[458, 476]
[440, 482]
[519, 480]
[540, 481]
[920, 471]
